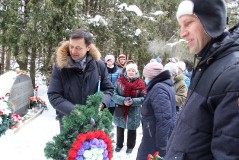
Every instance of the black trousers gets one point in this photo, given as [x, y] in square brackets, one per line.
[131, 138]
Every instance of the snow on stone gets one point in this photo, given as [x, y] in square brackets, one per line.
[7, 79]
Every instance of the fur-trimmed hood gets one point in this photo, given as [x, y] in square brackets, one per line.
[63, 55]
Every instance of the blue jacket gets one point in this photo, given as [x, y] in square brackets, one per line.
[158, 116]
[113, 75]
[207, 126]
[70, 85]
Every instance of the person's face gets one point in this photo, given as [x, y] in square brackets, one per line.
[110, 63]
[131, 73]
[122, 60]
[78, 49]
[192, 31]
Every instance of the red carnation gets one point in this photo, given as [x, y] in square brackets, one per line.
[97, 134]
[72, 153]
[90, 135]
[77, 145]
[81, 137]
[155, 154]
[110, 155]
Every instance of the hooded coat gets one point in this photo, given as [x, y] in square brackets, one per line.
[158, 115]
[71, 85]
[207, 127]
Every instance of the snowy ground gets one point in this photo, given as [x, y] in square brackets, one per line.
[29, 142]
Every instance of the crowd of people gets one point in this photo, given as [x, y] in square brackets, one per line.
[202, 97]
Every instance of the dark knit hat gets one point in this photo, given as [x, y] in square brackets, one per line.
[211, 13]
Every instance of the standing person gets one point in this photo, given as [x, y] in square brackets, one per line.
[158, 111]
[207, 125]
[178, 84]
[128, 96]
[121, 61]
[77, 74]
[181, 68]
[189, 68]
[113, 75]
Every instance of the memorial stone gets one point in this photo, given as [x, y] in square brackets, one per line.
[20, 93]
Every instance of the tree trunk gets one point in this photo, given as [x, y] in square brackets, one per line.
[33, 65]
[2, 60]
[8, 59]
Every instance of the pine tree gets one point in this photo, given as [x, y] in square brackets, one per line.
[83, 118]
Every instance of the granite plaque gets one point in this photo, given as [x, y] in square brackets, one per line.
[20, 93]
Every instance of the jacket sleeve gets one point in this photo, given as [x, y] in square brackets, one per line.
[117, 98]
[181, 94]
[106, 86]
[224, 102]
[161, 105]
[56, 93]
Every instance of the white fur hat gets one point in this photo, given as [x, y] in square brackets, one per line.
[181, 65]
[172, 68]
[132, 66]
[108, 57]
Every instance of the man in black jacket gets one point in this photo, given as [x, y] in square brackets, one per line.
[207, 127]
[77, 73]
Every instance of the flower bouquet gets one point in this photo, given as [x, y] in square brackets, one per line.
[86, 134]
[92, 145]
[154, 157]
[36, 102]
[15, 120]
[5, 116]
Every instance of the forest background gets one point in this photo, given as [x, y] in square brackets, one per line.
[30, 30]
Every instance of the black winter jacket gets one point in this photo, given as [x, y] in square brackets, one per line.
[207, 127]
[70, 85]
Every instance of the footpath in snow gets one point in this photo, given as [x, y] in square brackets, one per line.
[28, 142]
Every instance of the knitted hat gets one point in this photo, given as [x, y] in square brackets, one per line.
[152, 69]
[181, 65]
[132, 66]
[108, 57]
[211, 13]
[122, 56]
[172, 68]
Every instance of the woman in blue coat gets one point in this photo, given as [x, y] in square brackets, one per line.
[113, 75]
[158, 111]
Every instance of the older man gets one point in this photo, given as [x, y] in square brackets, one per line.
[207, 127]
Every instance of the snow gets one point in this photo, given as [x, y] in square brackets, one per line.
[97, 20]
[7, 81]
[131, 8]
[157, 13]
[29, 141]
[137, 32]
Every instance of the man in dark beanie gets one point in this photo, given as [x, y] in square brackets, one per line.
[206, 128]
